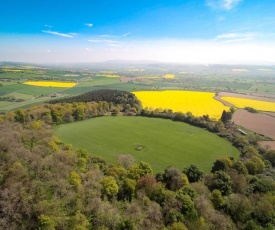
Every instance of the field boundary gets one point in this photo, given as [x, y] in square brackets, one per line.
[267, 98]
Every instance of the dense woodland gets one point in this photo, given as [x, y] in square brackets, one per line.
[45, 184]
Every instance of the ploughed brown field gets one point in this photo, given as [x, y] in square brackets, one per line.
[268, 144]
[257, 122]
[270, 114]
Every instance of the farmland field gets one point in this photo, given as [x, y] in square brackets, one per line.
[51, 84]
[199, 103]
[267, 144]
[169, 76]
[256, 104]
[163, 142]
[134, 77]
[109, 75]
[260, 123]
[29, 95]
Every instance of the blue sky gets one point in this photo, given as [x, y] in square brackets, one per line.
[188, 31]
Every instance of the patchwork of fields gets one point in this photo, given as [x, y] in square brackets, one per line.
[162, 142]
[17, 94]
[21, 87]
[199, 103]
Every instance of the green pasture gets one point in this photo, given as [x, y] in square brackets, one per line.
[4, 83]
[99, 81]
[264, 88]
[19, 96]
[8, 106]
[162, 142]
[28, 89]
[30, 94]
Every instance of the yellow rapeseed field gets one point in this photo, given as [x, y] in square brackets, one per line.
[108, 75]
[51, 84]
[256, 104]
[199, 103]
[13, 70]
[169, 76]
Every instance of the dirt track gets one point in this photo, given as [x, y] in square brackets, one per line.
[256, 122]
[226, 103]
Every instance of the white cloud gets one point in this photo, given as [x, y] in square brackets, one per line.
[104, 41]
[108, 36]
[126, 34]
[58, 34]
[115, 36]
[73, 34]
[89, 24]
[229, 4]
[48, 26]
[222, 4]
[95, 40]
[89, 49]
[235, 37]
[221, 18]
[114, 45]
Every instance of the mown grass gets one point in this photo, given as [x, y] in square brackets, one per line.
[164, 142]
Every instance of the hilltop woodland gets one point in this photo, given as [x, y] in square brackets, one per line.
[45, 184]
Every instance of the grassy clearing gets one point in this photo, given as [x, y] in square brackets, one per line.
[164, 142]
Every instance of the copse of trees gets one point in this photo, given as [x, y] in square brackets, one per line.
[123, 99]
[226, 116]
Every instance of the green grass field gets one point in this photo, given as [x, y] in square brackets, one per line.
[164, 142]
